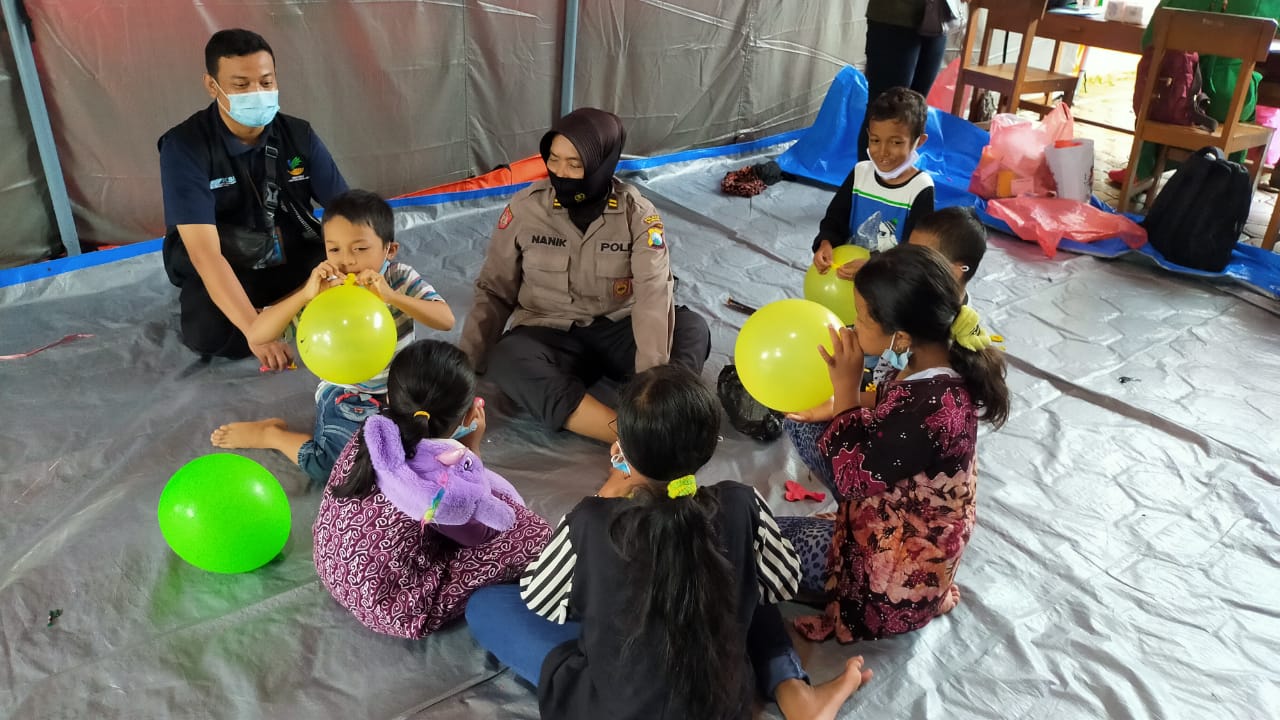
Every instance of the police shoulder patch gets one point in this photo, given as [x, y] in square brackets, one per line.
[656, 241]
[506, 218]
[652, 219]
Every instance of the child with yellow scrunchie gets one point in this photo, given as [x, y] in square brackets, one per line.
[904, 470]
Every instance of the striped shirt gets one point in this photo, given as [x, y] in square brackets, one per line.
[547, 583]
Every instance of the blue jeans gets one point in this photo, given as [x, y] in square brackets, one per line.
[518, 637]
[521, 640]
[339, 414]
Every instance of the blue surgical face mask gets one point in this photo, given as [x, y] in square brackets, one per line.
[386, 265]
[619, 463]
[252, 109]
[465, 430]
[898, 360]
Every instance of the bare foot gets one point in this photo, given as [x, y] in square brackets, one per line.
[246, 434]
[800, 701]
[950, 600]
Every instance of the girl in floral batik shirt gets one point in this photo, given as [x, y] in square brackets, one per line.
[904, 470]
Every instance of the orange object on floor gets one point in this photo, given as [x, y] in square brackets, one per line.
[520, 171]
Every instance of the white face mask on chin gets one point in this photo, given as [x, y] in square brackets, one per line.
[897, 172]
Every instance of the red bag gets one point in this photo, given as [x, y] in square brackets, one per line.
[1176, 98]
[1047, 221]
[1013, 162]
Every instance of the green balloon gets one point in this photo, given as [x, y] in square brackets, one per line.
[224, 513]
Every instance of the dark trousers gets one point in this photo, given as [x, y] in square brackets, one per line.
[204, 328]
[547, 371]
[899, 57]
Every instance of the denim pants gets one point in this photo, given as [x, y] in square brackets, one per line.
[339, 414]
[502, 624]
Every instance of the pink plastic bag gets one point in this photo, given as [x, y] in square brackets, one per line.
[943, 90]
[1270, 117]
[1047, 221]
[1013, 162]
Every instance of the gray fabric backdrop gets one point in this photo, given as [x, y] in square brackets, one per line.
[411, 94]
[25, 213]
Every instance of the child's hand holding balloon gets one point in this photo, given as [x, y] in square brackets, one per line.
[844, 365]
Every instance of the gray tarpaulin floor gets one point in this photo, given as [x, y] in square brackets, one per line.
[1126, 562]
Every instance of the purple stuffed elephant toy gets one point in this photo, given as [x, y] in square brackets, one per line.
[469, 511]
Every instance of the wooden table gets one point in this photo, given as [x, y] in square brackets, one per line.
[1092, 31]
[1096, 31]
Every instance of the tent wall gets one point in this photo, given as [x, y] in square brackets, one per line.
[411, 94]
[30, 234]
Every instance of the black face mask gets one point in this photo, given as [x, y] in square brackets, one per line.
[571, 192]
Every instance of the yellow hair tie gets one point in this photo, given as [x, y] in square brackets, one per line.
[967, 330]
[682, 487]
[423, 413]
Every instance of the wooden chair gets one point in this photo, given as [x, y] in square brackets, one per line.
[1010, 80]
[1228, 36]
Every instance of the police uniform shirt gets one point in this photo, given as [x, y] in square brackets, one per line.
[541, 270]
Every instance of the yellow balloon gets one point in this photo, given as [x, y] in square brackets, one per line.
[346, 334]
[777, 354]
[829, 290]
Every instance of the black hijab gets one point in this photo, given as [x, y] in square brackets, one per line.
[598, 137]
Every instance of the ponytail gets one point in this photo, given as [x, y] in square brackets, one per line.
[361, 480]
[678, 580]
[983, 369]
[430, 387]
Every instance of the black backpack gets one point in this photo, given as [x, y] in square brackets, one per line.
[1197, 218]
[746, 415]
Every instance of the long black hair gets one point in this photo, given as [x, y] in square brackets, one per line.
[428, 375]
[680, 580]
[911, 289]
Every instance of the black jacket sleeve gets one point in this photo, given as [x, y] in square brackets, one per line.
[834, 227]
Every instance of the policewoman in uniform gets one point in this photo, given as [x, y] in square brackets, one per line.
[580, 265]
[239, 181]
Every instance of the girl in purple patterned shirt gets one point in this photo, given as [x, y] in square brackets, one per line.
[411, 522]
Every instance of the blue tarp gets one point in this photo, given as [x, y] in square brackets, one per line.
[825, 153]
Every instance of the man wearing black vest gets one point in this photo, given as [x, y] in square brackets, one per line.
[239, 181]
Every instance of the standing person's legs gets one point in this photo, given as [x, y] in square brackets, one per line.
[502, 624]
[892, 53]
[928, 63]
